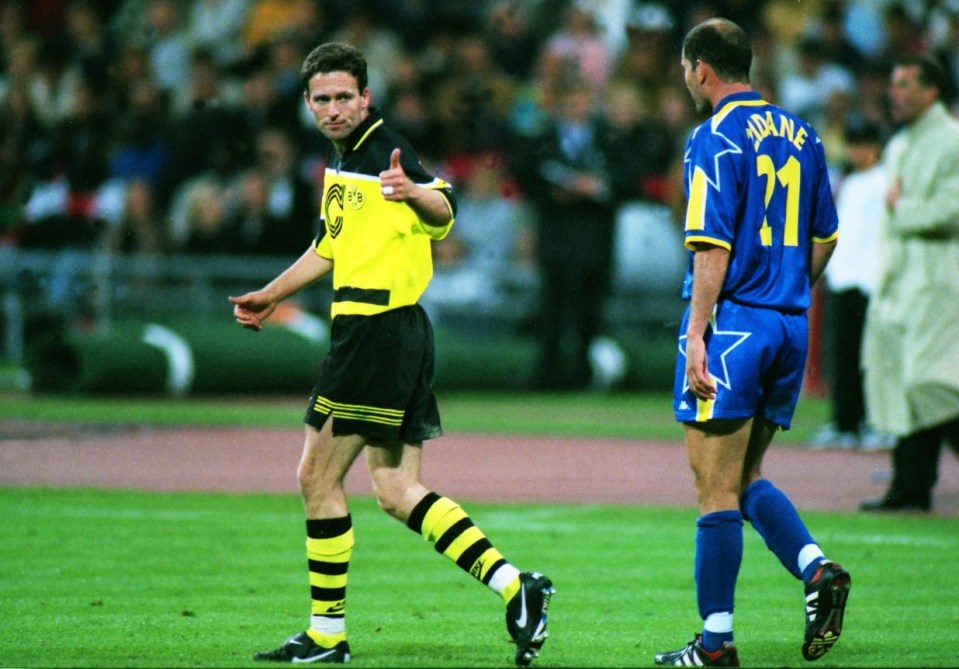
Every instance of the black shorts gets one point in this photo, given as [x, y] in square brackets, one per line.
[377, 379]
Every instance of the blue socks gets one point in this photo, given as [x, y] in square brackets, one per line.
[719, 553]
[778, 523]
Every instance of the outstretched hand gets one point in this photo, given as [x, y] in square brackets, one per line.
[252, 309]
[393, 182]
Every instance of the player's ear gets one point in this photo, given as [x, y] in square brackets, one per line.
[702, 70]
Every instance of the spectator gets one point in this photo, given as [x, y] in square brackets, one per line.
[362, 28]
[472, 105]
[537, 99]
[640, 147]
[833, 122]
[835, 39]
[22, 142]
[205, 86]
[67, 174]
[58, 81]
[284, 56]
[512, 41]
[92, 49]
[911, 353]
[132, 67]
[169, 47]
[217, 26]
[805, 91]
[13, 28]
[410, 113]
[265, 20]
[491, 224]
[82, 143]
[31, 63]
[484, 265]
[142, 148]
[679, 115]
[947, 46]
[311, 23]
[200, 217]
[649, 61]
[578, 42]
[850, 280]
[864, 26]
[139, 229]
[904, 32]
[261, 106]
[208, 126]
[278, 208]
[870, 101]
[565, 174]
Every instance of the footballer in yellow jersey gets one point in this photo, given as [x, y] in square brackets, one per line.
[380, 249]
[380, 213]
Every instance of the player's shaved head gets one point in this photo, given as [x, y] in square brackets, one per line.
[722, 44]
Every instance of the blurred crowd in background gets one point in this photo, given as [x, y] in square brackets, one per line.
[162, 126]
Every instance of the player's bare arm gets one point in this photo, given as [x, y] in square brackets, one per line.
[251, 309]
[709, 272]
[821, 253]
[429, 205]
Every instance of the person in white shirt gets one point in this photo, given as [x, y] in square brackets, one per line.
[850, 280]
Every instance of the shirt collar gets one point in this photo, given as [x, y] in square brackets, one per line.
[742, 96]
[356, 138]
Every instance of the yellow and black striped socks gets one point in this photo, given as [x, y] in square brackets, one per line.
[329, 544]
[444, 523]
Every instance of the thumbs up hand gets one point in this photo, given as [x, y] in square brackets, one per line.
[393, 181]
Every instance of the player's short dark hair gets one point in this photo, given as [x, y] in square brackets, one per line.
[858, 131]
[723, 45]
[334, 57]
[931, 75]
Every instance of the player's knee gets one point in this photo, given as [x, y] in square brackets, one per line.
[304, 475]
[398, 497]
[390, 501]
[313, 481]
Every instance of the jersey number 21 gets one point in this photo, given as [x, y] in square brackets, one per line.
[788, 177]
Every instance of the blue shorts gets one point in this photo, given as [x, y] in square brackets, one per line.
[756, 357]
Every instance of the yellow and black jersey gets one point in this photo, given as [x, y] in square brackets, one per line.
[380, 250]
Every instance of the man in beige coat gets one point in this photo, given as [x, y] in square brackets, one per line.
[911, 347]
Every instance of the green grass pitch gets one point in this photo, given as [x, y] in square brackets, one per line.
[94, 578]
[129, 579]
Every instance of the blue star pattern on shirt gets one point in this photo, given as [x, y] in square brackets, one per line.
[713, 180]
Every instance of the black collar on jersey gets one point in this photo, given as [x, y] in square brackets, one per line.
[362, 131]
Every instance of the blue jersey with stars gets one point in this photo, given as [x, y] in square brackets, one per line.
[756, 184]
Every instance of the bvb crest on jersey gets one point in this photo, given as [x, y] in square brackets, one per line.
[354, 197]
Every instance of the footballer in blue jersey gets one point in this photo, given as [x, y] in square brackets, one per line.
[757, 185]
[760, 228]
[756, 175]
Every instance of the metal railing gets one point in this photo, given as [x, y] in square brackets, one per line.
[73, 285]
[77, 285]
